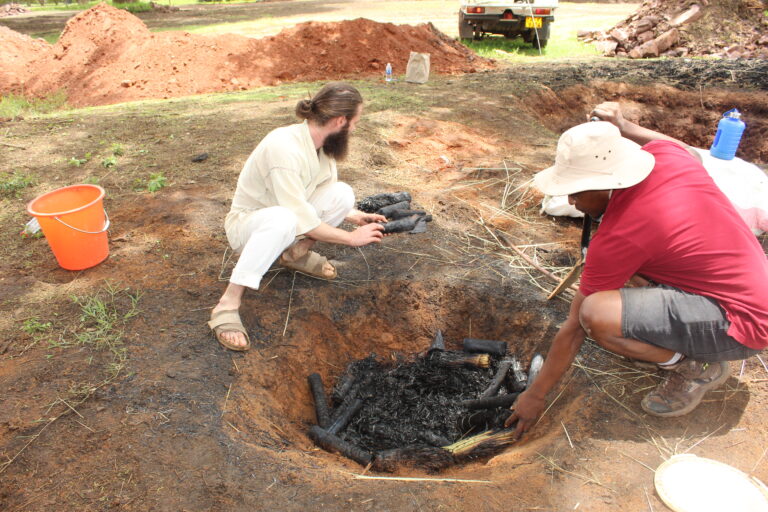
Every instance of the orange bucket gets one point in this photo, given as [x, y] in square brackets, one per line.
[75, 224]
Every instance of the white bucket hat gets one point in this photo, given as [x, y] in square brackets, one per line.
[594, 156]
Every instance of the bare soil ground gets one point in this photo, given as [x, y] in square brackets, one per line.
[122, 399]
[116, 396]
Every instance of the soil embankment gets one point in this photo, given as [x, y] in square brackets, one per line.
[106, 55]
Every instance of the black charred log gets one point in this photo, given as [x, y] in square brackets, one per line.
[493, 347]
[491, 403]
[372, 203]
[321, 402]
[332, 443]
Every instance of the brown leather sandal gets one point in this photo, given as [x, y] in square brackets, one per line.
[311, 264]
[228, 320]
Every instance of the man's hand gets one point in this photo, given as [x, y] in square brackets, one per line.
[361, 219]
[609, 111]
[366, 234]
[526, 410]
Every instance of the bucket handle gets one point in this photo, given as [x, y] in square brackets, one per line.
[106, 225]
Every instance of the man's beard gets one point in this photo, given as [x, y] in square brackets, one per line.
[336, 145]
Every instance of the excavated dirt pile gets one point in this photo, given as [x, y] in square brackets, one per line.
[106, 55]
[676, 28]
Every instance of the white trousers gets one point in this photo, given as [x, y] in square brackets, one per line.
[261, 236]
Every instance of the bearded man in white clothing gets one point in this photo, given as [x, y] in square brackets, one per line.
[288, 197]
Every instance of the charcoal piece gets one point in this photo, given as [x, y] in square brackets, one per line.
[372, 203]
[498, 379]
[438, 343]
[433, 439]
[345, 413]
[401, 225]
[421, 226]
[333, 443]
[429, 457]
[321, 402]
[202, 157]
[481, 420]
[399, 214]
[536, 363]
[342, 389]
[493, 347]
[518, 380]
[389, 209]
[455, 358]
[491, 403]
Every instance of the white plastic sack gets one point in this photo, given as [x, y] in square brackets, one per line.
[559, 207]
[418, 68]
[745, 184]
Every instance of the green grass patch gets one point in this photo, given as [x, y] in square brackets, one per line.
[393, 96]
[34, 325]
[103, 317]
[11, 184]
[49, 37]
[13, 105]
[501, 48]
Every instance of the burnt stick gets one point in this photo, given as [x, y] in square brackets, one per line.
[321, 402]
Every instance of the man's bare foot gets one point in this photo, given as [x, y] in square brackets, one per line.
[300, 248]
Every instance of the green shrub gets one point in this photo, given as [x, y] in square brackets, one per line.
[133, 7]
[109, 161]
[117, 149]
[156, 182]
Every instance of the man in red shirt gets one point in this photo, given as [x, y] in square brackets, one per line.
[662, 219]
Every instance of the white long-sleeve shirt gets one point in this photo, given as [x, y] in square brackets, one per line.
[283, 170]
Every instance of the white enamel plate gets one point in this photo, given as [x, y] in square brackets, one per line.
[688, 483]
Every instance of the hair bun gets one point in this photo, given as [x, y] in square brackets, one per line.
[303, 108]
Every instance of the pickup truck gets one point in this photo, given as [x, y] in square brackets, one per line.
[529, 19]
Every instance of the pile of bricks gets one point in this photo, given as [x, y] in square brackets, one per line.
[12, 9]
[677, 28]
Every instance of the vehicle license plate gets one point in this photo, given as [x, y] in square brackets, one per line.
[532, 22]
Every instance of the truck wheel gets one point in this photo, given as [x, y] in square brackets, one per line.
[465, 29]
[543, 38]
[528, 36]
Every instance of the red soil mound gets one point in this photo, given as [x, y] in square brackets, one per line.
[106, 55]
[17, 53]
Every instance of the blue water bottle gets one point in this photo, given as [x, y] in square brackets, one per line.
[729, 131]
[388, 72]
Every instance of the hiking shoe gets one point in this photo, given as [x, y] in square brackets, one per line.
[642, 365]
[684, 387]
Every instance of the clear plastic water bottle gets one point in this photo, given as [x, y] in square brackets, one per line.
[729, 131]
[388, 73]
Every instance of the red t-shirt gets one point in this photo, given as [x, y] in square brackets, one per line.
[677, 228]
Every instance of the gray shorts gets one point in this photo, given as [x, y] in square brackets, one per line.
[691, 324]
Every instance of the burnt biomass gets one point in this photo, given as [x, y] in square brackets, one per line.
[415, 402]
